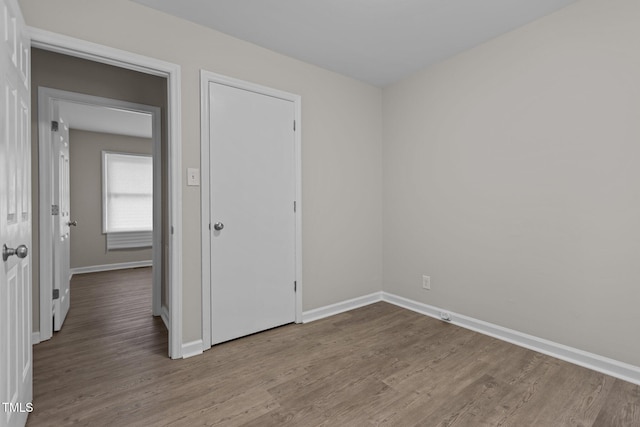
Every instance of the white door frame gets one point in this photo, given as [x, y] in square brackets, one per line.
[58, 43]
[46, 98]
[207, 77]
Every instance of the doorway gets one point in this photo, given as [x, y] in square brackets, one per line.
[251, 176]
[171, 227]
[114, 124]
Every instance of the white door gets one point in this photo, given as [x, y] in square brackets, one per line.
[62, 221]
[252, 184]
[15, 219]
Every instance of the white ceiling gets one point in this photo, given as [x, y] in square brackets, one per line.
[376, 41]
[106, 120]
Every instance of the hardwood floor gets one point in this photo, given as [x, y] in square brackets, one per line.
[378, 365]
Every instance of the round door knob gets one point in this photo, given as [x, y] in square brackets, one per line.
[74, 223]
[218, 226]
[21, 252]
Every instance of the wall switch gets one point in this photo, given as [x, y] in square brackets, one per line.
[426, 282]
[193, 176]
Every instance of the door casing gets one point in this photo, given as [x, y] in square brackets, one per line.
[46, 98]
[207, 77]
[71, 46]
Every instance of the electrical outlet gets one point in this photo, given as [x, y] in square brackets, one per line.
[426, 283]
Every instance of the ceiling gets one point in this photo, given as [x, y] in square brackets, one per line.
[375, 41]
[106, 120]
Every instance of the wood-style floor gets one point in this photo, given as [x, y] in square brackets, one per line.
[378, 365]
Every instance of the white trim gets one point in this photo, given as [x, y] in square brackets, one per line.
[207, 77]
[340, 307]
[190, 349]
[45, 228]
[174, 234]
[71, 46]
[94, 52]
[205, 224]
[598, 363]
[164, 315]
[111, 267]
[35, 338]
[298, 213]
[605, 365]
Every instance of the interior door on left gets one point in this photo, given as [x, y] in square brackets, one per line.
[16, 368]
[61, 223]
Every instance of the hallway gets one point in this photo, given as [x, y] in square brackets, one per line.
[93, 363]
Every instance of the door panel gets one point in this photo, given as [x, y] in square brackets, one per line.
[252, 192]
[15, 219]
[62, 252]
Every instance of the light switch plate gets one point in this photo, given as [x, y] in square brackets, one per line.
[193, 176]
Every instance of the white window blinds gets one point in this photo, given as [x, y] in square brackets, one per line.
[127, 192]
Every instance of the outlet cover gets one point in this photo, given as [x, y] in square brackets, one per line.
[426, 282]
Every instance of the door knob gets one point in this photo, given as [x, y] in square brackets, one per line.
[74, 223]
[21, 252]
[218, 226]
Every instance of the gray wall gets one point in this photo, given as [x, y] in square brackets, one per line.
[511, 176]
[77, 75]
[88, 244]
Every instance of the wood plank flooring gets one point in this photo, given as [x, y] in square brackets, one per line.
[376, 366]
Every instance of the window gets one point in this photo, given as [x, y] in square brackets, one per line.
[127, 200]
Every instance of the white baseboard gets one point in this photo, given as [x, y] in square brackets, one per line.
[598, 363]
[35, 338]
[109, 267]
[341, 307]
[191, 349]
[164, 315]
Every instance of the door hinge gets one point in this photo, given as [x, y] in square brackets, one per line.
[55, 210]
[54, 126]
[56, 293]
[295, 286]
[294, 206]
[294, 125]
